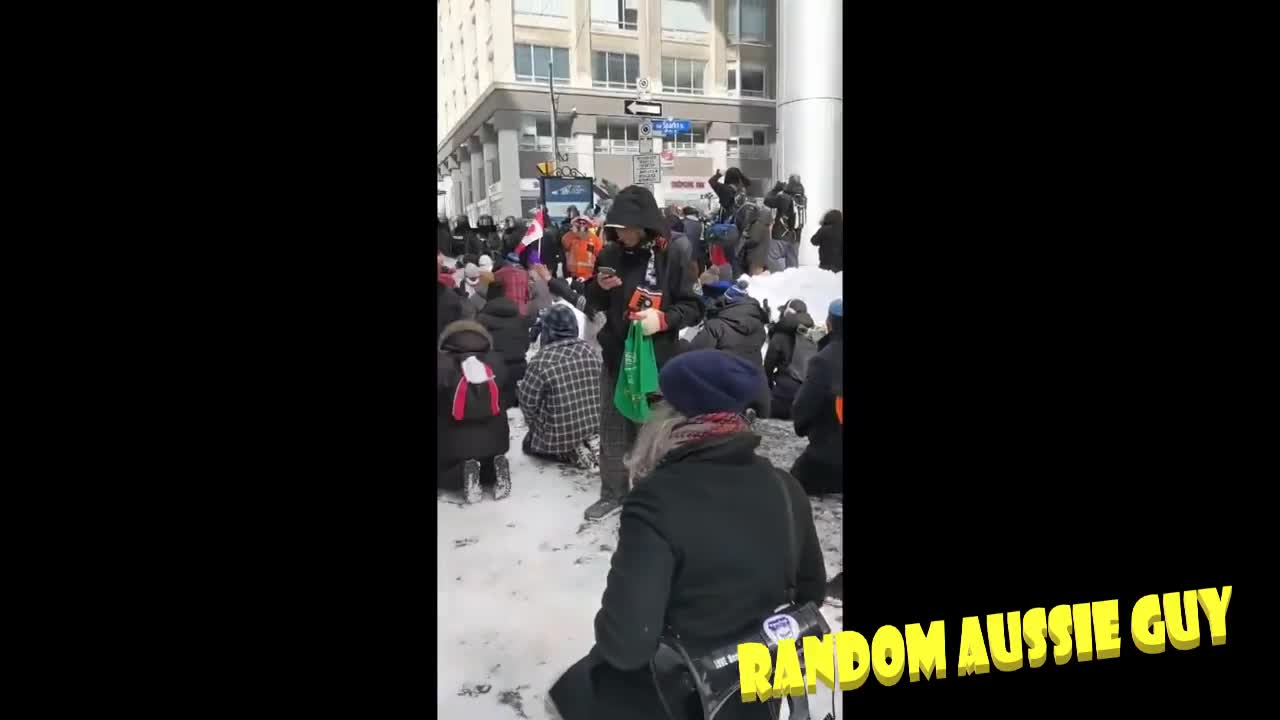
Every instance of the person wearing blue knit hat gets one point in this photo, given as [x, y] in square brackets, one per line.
[703, 499]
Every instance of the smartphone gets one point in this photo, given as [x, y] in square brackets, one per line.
[606, 271]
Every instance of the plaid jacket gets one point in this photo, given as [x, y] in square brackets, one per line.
[560, 396]
[515, 284]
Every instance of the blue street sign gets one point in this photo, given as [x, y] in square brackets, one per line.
[671, 127]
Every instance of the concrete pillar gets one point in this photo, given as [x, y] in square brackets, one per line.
[456, 202]
[507, 125]
[580, 43]
[477, 174]
[716, 78]
[464, 177]
[489, 152]
[584, 144]
[811, 107]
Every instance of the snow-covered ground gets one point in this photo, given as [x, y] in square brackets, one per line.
[816, 287]
[519, 581]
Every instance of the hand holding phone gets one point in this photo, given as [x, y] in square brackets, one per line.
[607, 278]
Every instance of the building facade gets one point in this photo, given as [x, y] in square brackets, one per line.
[710, 62]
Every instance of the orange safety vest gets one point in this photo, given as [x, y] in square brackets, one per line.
[581, 249]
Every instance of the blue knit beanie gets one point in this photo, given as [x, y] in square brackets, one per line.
[837, 308]
[708, 381]
[737, 291]
[558, 323]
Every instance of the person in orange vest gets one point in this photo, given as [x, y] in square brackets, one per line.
[581, 248]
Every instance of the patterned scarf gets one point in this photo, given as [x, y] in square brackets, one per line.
[700, 427]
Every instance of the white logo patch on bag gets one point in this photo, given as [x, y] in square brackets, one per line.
[781, 627]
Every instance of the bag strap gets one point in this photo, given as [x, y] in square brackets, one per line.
[793, 549]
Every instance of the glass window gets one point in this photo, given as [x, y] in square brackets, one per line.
[615, 14]
[733, 79]
[685, 15]
[747, 141]
[753, 81]
[614, 70]
[532, 63]
[690, 144]
[682, 76]
[619, 136]
[747, 21]
[555, 8]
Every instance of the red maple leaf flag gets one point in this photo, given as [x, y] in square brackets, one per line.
[534, 231]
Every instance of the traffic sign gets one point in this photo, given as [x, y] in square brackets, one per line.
[646, 146]
[646, 130]
[640, 107]
[646, 169]
[672, 127]
[643, 84]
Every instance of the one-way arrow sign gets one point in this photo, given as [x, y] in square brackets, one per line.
[638, 107]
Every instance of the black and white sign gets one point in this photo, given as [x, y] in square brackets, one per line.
[646, 169]
[640, 107]
[646, 146]
[643, 84]
[646, 130]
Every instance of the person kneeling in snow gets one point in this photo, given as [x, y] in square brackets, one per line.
[473, 435]
[736, 324]
[560, 393]
[792, 343]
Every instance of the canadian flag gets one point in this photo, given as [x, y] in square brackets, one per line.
[534, 231]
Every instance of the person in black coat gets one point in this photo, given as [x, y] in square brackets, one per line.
[755, 250]
[448, 302]
[464, 237]
[693, 229]
[734, 185]
[777, 359]
[490, 238]
[510, 331]
[735, 323]
[830, 241]
[702, 543]
[650, 279]
[473, 435]
[444, 238]
[820, 468]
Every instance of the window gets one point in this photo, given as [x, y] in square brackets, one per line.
[535, 131]
[747, 141]
[555, 8]
[747, 19]
[685, 15]
[532, 60]
[682, 76]
[615, 14]
[690, 144]
[751, 78]
[614, 70]
[618, 136]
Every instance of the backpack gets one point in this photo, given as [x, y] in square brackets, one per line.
[476, 396]
[806, 347]
[745, 217]
[799, 205]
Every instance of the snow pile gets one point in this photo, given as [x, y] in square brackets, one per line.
[519, 581]
[816, 287]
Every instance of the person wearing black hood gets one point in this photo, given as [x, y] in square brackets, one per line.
[784, 380]
[510, 331]
[640, 275]
[817, 412]
[464, 237]
[788, 200]
[444, 238]
[830, 242]
[735, 185]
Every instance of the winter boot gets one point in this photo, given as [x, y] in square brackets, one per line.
[502, 474]
[583, 458]
[593, 443]
[835, 590]
[471, 481]
[751, 416]
[601, 509]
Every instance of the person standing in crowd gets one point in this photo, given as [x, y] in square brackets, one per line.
[448, 304]
[755, 251]
[512, 233]
[473, 299]
[559, 394]
[789, 202]
[703, 542]
[444, 238]
[693, 229]
[640, 275]
[463, 236]
[820, 468]
[487, 231]
[581, 248]
[731, 193]
[473, 436]
[830, 241]
[783, 366]
[514, 280]
[510, 333]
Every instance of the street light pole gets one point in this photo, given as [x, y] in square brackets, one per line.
[555, 139]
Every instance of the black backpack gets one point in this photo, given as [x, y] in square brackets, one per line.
[806, 347]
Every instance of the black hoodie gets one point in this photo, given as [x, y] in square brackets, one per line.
[510, 332]
[782, 343]
[734, 326]
[635, 207]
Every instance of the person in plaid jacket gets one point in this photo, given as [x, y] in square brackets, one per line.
[560, 393]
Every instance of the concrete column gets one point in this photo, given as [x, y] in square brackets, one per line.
[811, 108]
[456, 202]
[489, 151]
[477, 174]
[716, 78]
[507, 125]
[584, 144]
[580, 43]
[464, 177]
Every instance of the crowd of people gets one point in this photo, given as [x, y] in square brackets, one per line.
[665, 271]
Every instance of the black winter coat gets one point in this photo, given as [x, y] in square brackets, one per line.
[482, 435]
[510, 332]
[701, 547]
[675, 280]
[830, 243]
[444, 239]
[784, 215]
[448, 308]
[782, 343]
[755, 248]
[736, 327]
[550, 250]
[815, 407]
